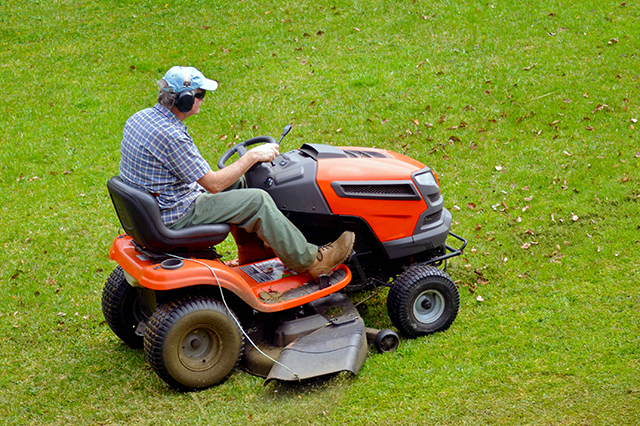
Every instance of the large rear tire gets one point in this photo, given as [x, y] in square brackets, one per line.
[193, 343]
[122, 309]
[423, 300]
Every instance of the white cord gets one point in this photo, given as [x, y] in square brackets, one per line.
[234, 317]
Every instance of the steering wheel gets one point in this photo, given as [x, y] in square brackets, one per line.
[241, 148]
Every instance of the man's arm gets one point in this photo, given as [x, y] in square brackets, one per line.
[220, 180]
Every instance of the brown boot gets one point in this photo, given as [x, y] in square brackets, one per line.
[332, 255]
[250, 247]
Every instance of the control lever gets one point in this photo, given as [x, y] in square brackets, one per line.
[286, 130]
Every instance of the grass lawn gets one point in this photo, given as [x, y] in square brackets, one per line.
[527, 111]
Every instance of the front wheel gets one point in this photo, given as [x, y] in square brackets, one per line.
[193, 343]
[423, 300]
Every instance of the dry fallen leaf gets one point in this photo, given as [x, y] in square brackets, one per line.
[471, 206]
[525, 246]
[600, 107]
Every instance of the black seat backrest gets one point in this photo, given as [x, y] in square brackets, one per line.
[140, 217]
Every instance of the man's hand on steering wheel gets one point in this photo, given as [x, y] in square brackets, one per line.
[266, 152]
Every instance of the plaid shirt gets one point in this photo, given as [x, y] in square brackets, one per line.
[159, 156]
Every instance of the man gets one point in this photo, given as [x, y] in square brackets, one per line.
[159, 156]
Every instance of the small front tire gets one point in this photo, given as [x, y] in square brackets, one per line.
[423, 300]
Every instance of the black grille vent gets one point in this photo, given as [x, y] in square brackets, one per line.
[434, 197]
[378, 190]
[428, 220]
[364, 154]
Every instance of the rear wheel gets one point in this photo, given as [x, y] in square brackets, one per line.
[423, 300]
[193, 343]
[122, 308]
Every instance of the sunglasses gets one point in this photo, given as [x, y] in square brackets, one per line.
[199, 95]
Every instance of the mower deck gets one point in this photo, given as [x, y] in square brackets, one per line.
[330, 339]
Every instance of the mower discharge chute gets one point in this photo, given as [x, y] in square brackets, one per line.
[198, 318]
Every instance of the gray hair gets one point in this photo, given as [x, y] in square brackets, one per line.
[166, 99]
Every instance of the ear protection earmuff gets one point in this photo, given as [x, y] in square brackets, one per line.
[185, 100]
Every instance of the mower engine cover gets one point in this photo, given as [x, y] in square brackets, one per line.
[393, 200]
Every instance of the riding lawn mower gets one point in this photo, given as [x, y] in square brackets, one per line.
[198, 318]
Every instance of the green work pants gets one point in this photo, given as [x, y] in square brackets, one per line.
[255, 211]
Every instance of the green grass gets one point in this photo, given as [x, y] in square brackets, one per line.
[504, 100]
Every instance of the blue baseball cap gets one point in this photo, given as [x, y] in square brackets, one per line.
[180, 79]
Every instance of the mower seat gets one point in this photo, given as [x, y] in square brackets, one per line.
[139, 215]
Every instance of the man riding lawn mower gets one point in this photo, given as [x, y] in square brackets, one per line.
[278, 313]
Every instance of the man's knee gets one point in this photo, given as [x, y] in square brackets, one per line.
[258, 197]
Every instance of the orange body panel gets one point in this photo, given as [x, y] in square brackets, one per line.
[152, 276]
[389, 220]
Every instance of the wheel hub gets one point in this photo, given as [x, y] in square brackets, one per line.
[200, 349]
[428, 306]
